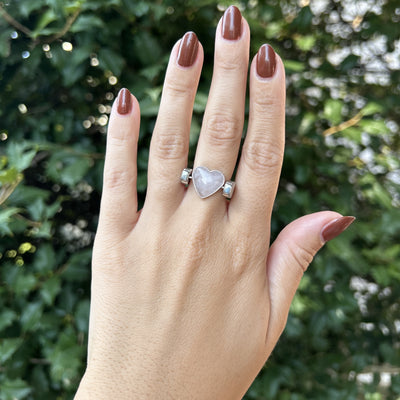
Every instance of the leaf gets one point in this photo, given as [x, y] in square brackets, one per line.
[46, 18]
[372, 108]
[23, 195]
[50, 289]
[30, 317]
[40, 382]
[8, 347]
[148, 108]
[307, 123]
[82, 316]
[110, 61]
[200, 102]
[5, 218]
[65, 357]
[74, 172]
[71, 73]
[45, 259]
[306, 42]
[303, 20]
[84, 23]
[97, 5]
[7, 317]
[137, 8]
[14, 389]
[9, 180]
[353, 133]
[333, 111]
[71, 64]
[274, 29]
[10, 176]
[24, 283]
[147, 48]
[349, 63]
[293, 66]
[78, 266]
[26, 7]
[152, 72]
[20, 155]
[66, 168]
[43, 231]
[154, 94]
[381, 275]
[37, 209]
[374, 127]
[377, 194]
[72, 6]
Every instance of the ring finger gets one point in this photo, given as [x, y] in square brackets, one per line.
[223, 119]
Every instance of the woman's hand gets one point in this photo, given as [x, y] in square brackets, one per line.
[188, 297]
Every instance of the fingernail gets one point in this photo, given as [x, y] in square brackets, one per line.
[335, 228]
[232, 23]
[188, 49]
[124, 102]
[266, 61]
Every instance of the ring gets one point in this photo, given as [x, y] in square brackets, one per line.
[207, 182]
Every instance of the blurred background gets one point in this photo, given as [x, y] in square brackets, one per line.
[61, 66]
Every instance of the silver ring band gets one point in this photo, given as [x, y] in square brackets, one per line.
[207, 182]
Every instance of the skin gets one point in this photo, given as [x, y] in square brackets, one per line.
[188, 296]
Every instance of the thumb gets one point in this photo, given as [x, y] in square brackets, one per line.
[289, 257]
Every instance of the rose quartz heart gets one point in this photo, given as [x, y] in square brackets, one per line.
[207, 182]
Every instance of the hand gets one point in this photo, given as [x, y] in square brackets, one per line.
[188, 297]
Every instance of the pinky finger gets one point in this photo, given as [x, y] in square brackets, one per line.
[118, 211]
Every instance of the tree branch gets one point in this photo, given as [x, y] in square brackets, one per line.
[17, 25]
[344, 125]
[66, 27]
[13, 22]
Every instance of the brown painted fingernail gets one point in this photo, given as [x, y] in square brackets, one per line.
[232, 23]
[188, 49]
[266, 61]
[335, 228]
[124, 102]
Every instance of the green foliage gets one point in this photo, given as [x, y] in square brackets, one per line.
[62, 63]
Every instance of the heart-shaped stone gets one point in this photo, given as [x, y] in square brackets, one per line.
[207, 182]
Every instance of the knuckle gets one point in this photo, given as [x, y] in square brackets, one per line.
[200, 233]
[301, 256]
[246, 252]
[230, 61]
[170, 146]
[266, 102]
[262, 155]
[178, 89]
[109, 248]
[229, 66]
[265, 97]
[222, 129]
[116, 178]
[120, 139]
[241, 257]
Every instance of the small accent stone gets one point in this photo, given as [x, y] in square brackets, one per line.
[228, 189]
